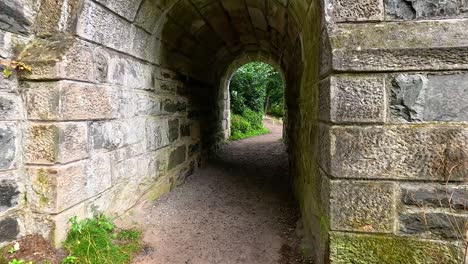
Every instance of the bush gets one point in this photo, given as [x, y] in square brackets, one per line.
[277, 110]
[250, 124]
[255, 119]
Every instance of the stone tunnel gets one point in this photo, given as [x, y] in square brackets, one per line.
[126, 98]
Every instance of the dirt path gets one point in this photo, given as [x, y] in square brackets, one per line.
[238, 209]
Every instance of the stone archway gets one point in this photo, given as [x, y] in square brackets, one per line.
[376, 112]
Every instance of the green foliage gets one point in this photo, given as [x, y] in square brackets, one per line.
[247, 125]
[96, 240]
[256, 86]
[15, 261]
[69, 260]
[276, 110]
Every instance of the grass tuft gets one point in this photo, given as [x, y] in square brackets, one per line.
[97, 240]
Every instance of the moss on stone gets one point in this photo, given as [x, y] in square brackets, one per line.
[364, 249]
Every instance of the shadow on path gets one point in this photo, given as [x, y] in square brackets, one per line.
[237, 209]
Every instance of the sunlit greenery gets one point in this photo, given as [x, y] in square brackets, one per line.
[256, 88]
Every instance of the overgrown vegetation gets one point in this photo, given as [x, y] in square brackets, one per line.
[92, 241]
[256, 88]
[97, 240]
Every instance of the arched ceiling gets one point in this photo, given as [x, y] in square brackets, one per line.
[213, 33]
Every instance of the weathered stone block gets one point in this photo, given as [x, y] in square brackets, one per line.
[454, 197]
[8, 145]
[157, 133]
[171, 106]
[111, 135]
[177, 157]
[147, 104]
[185, 130]
[60, 142]
[127, 9]
[9, 229]
[348, 247]
[10, 107]
[173, 130]
[353, 99]
[420, 9]
[362, 206]
[8, 194]
[429, 97]
[431, 45]
[66, 100]
[148, 15]
[18, 16]
[441, 225]
[55, 189]
[59, 58]
[95, 23]
[435, 153]
[349, 10]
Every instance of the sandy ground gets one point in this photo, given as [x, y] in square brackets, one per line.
[237, 209]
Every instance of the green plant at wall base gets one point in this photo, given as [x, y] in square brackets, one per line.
[15, 261]
[97, 240]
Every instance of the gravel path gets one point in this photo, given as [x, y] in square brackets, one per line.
[237, 209]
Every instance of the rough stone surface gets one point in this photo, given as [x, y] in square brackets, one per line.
[346, 248]
[60, 142]
[429, 97]
[17, 16]
[55, 189]
[440, 225]
[400, 46]
[453, 197]
[173, 130]
[353, 99]
[9, 229]
[362, 206]
[10, 107]
[177, 156]
[399, 152]
[423, 9]
[8, 147]
[8, 194]
[157, 134]
[66, 100]
[349, 10]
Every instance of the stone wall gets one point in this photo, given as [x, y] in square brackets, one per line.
[393, 119]
[95, 126]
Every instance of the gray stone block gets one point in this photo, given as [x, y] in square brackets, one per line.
[59, 142]
[453, 197]
[435, 153]
[431, 45]
[425, 9]
[157, 133]
[171, 106]
[362, 206]
[173, 130]
[429, 97]
[8, 147]
[17, 16]
[125, 8]
[9, 229]
[353, 99]
[439, 225]
[177, 157]
[8, 194]
[10, 107]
